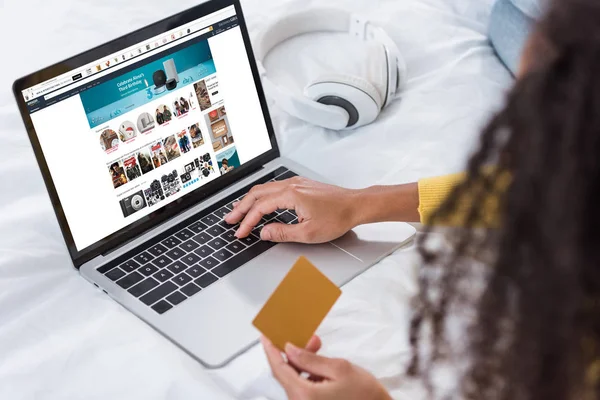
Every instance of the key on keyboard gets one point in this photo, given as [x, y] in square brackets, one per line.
[171, 242]
[115, 274]
[129, 266]
[197, 227]
[162, 307]
[143, 287]
[190, 245]
[190, 289]
[143, 258]
[195, 271]
[206, 280]
[130, 280]
[176, 298]
[216, 230]
[217, 243]
[286, 217]
[157, 250]
[148, 269]
[163, 275]
[185, 234]
[204, 251]
[162, 261]
[210, 220]
[229, 236]
[176, 253]
[222, 212]
[202, 238]
[235, 247]
[177, 267]
[158, 293]
[182, 279]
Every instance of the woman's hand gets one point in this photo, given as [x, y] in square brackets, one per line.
[329, 378]
[325, 212]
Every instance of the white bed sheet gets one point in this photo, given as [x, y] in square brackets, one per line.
[62, 339]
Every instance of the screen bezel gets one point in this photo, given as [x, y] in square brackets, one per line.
[79, 257]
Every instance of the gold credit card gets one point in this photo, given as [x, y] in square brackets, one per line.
[298, 306]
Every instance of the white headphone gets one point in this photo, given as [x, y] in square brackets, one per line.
[337, 101]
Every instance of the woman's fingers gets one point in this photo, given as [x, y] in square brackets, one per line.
[312, 363]
[242, 207]
[282, 371]
[314, 344]
[281, 233]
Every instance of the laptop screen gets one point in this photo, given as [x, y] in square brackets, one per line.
[137, 130]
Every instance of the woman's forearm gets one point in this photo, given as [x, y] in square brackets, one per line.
[387, 203]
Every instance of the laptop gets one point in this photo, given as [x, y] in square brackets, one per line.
[144, 143]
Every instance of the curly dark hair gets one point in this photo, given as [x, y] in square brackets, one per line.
[535, 332]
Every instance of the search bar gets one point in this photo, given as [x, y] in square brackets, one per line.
[124, 64]
[51, 87]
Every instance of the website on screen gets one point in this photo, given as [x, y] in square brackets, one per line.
[137, 130]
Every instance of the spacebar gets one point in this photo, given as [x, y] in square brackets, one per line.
[235, 262]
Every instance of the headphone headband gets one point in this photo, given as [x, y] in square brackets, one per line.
[323, 20]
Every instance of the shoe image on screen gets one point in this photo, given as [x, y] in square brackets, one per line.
[117, 173]
[163, 114]
[109, 140]
[132, 204]
[145, 122]
[127, 131]
[171, 148]
[202, 95]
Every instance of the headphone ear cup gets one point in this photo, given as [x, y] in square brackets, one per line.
[347, 80]
[357, 96]
[377, 69]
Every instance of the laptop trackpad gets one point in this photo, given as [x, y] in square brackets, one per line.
[220, 326]
[370, 243]
[257, 280]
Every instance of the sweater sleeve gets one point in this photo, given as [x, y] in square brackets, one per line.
[433, 192]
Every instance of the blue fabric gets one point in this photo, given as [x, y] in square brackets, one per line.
[510, 24]
[531, 8]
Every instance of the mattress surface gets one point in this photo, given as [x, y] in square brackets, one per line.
[60, 338]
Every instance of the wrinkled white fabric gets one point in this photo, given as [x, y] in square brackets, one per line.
[62, 339]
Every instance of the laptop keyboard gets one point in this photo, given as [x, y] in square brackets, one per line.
[195, 254]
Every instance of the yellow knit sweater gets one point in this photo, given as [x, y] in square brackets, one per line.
[433, 192]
